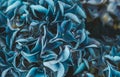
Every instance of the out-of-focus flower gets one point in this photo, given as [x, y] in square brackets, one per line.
[106, 10]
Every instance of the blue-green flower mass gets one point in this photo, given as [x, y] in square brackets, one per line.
[49, 38]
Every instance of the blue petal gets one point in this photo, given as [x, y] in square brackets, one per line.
[61, 70]
[10, 2]
[51, 46]
[73, 17]
[51, 3]
[80, 68]
[53, 65]
[80, 11]
[92, 52]
[68, 37]
[66, 26]
[31, 57]
[49, 56]
[61, 7]
[4, 73]
[38, 8]
[113, 72]
[64, 54]
[37, 47]
[2, 18]
[113, 51]
[13, 6]
[34, 72]
[13, 39]
[89, 75]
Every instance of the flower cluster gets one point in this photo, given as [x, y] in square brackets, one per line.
[48, 38]
[43, 38]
